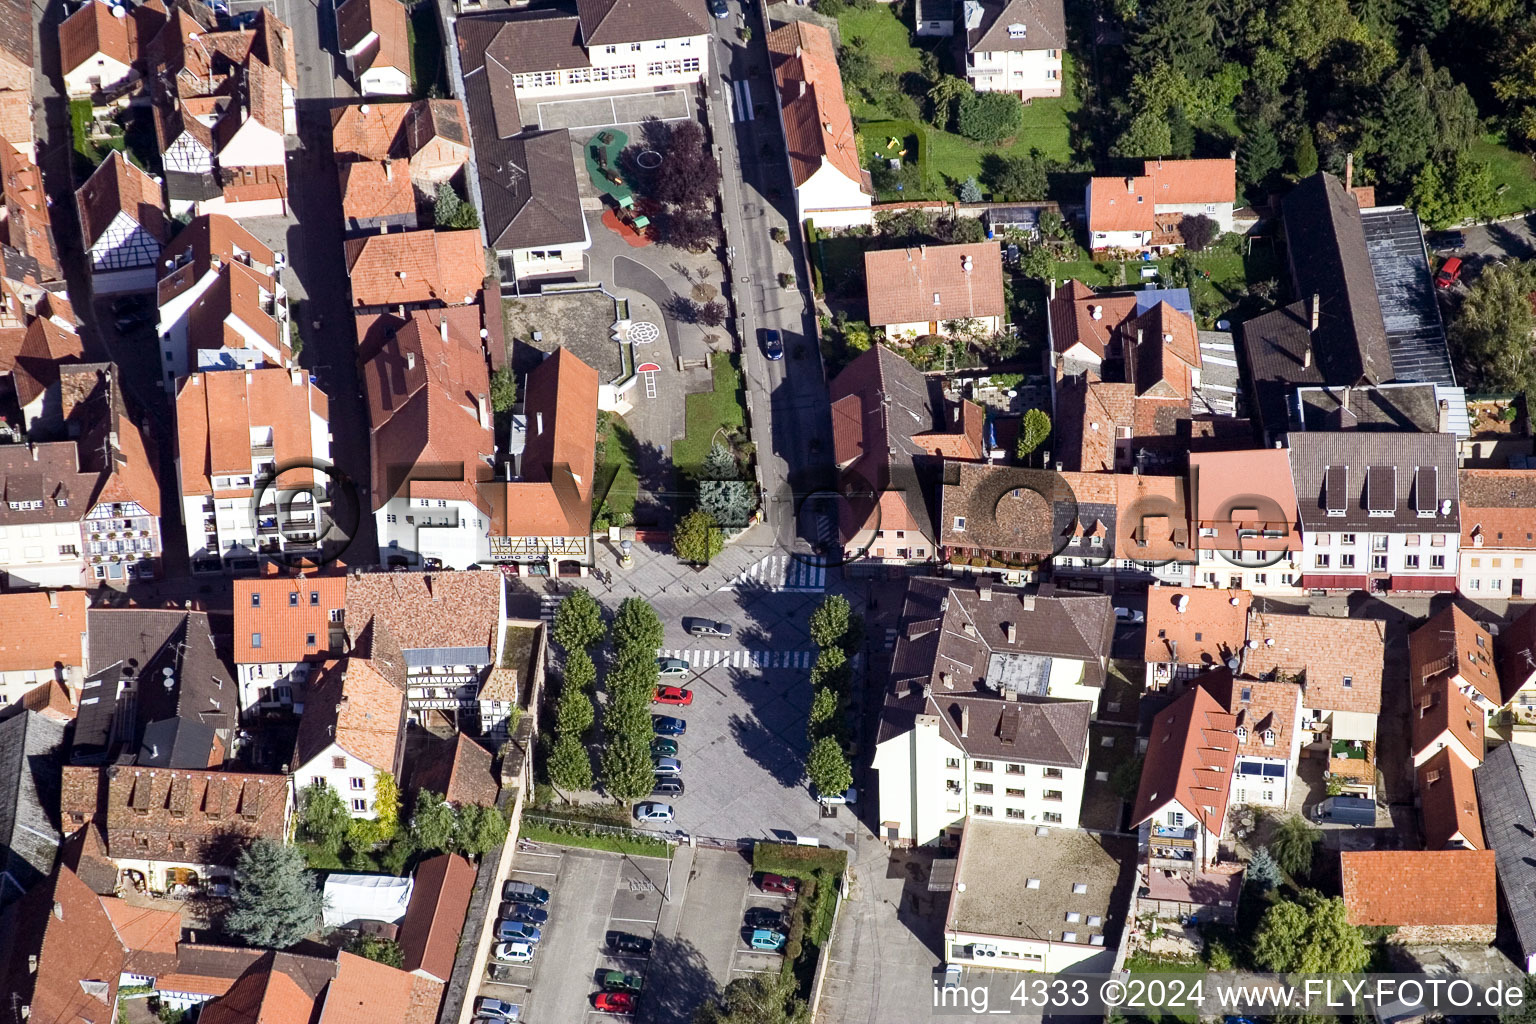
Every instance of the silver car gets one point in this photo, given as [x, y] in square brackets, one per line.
[668, 766]
[652, 810]
[672, 666]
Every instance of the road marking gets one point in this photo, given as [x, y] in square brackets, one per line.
[531, 871]
[547, 605]
[742, 108]
[701, 660]
[788, 573]
[634, 920]
[536, 853]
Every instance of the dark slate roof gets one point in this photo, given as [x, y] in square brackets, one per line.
[1406, 469]
[175, 743]
[1389, 407]
[632, 21]
[16, 39]
[143, 643]
[1049, 732]
[987, 24]
[31, 747]
[1328, 257]
[1506, 782]
[1406, 293]
[1277, 349]
[528, 190]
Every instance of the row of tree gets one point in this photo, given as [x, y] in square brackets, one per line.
[628, 771]
[577, 627]
[838, 632]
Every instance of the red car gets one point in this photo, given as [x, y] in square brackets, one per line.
[672, 695]
[614, 1002]
[778, 883]
[1450, 271]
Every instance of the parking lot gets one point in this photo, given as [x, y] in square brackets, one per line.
[693, 913]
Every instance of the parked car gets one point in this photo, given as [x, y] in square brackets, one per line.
[672, 666]
[615, 1002]
[764, 939]
[848, 796]
[667, 786]
[126, 304]
[618, 981]
[515, 911]
[666, 725]
[1447, 241]
[135, 322]
[514, 952]
[498, 1008]
[764, 917]
[652, 810]
[1130, 615]
[663, 747]
[777, 883]
[672, 695]
[512, 931]
[624, 942]
[718, 9]
[773, 345]
[667, 766]
[1450, 272]
[709, 627]
[524, 892]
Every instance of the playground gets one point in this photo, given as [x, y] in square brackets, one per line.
[623, 213]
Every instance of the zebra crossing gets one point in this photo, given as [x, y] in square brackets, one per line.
[781, 572]
[740, 98]
[547, 605]
[701, 660]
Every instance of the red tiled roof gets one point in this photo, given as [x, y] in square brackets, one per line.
[1258, 707]
[387, 19]
[286, 613]
[1120, 204]
[1498, 508]
[1188, 182]
[51, 700]
[79, 959]
[1448, 799]
[1404, 888]
[1453, 643]
[358, 703]
[366, 992]
[1438, 708]
[554, 498]
[1210, 629]
[1326, 652]
[817, 122]
[376, 189]
[1189, 761]
[416, 266]
[261, 996]
[54, 633]
[1162, 353]
[934, 282]
[1248, 491]
[117, 186]
[429, 935]
[93, 31]
[427, 609]
[1152, 513]
[216, 412]
[30, 229]
[1072, 321]
[148, 935]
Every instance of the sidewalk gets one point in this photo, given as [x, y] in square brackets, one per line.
[653, 572]
[672, 904]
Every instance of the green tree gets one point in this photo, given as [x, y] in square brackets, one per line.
[827, 766]
[829, 622]
[1263, 872]
[578, 621]
[1461, 190]
[480, 829]
[450, 211]
[970, 191]
[720, 464]
[1258, 156]
[580, 673]
[1198, 231]
[276, 901]
[1181, 133]
[432, 823]
[574, 713]
[1017, 179]
[729, 502]
[1179, 33]
[397, 854]
[1304, 156]
[378, 949]
[942, 97]
[503, 389]
[386, 806]
[768, 998]
[637, 627]
[825, 714]
[1125, 778]
[1293, 844]
[1312, 936]
[1038, 262]
[627, 769]
[569, 766]
[988, 116]
[1146, 135]
[696, 538]
[1492, 333]
[832, 669]
[1033, 431]
[323, 817]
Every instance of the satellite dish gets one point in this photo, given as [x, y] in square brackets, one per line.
[119, 11]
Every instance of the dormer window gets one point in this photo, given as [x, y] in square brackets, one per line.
[1269, 737]
[1017, 31]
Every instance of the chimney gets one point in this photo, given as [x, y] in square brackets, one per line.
[1349, 171]
[410, 360]
[538, 424]
[1010, 694]
[803, 87]
[442, 327]
[389, 170]
[1306, 357]
[969, 628]
[1344, 399]
[1445, 416]
[485, 411]
[1130, 186]
[947, 680]
[1027, 601]
[1053, 286]
[965, 722]
[984, 590]
[53, 595]
[1013, 632]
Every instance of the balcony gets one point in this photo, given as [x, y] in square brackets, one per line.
[263, 451]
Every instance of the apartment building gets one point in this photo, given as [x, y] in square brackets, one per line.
[1498, 534]
[286, 629]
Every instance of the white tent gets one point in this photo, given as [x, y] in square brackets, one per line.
[351, 898]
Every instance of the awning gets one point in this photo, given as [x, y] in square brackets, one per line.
[1430, 583]
[1353, 725]
[1323, 581]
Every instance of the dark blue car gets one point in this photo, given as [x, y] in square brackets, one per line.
[666, 725]
[773, 345]
[718, 9]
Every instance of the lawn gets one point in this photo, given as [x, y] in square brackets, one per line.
[710, 417]
[616, 481]
[592, 839]
[1229, 275]
[89, 152]
[953, 157]
[425, 38]
[1513, 172]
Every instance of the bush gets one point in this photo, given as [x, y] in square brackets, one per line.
[786, 280]
[988, 116]
[574, 834]
[795, 861]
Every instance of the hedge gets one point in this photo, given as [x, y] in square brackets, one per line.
[813, 254]
[592, 839]
[794, 861]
